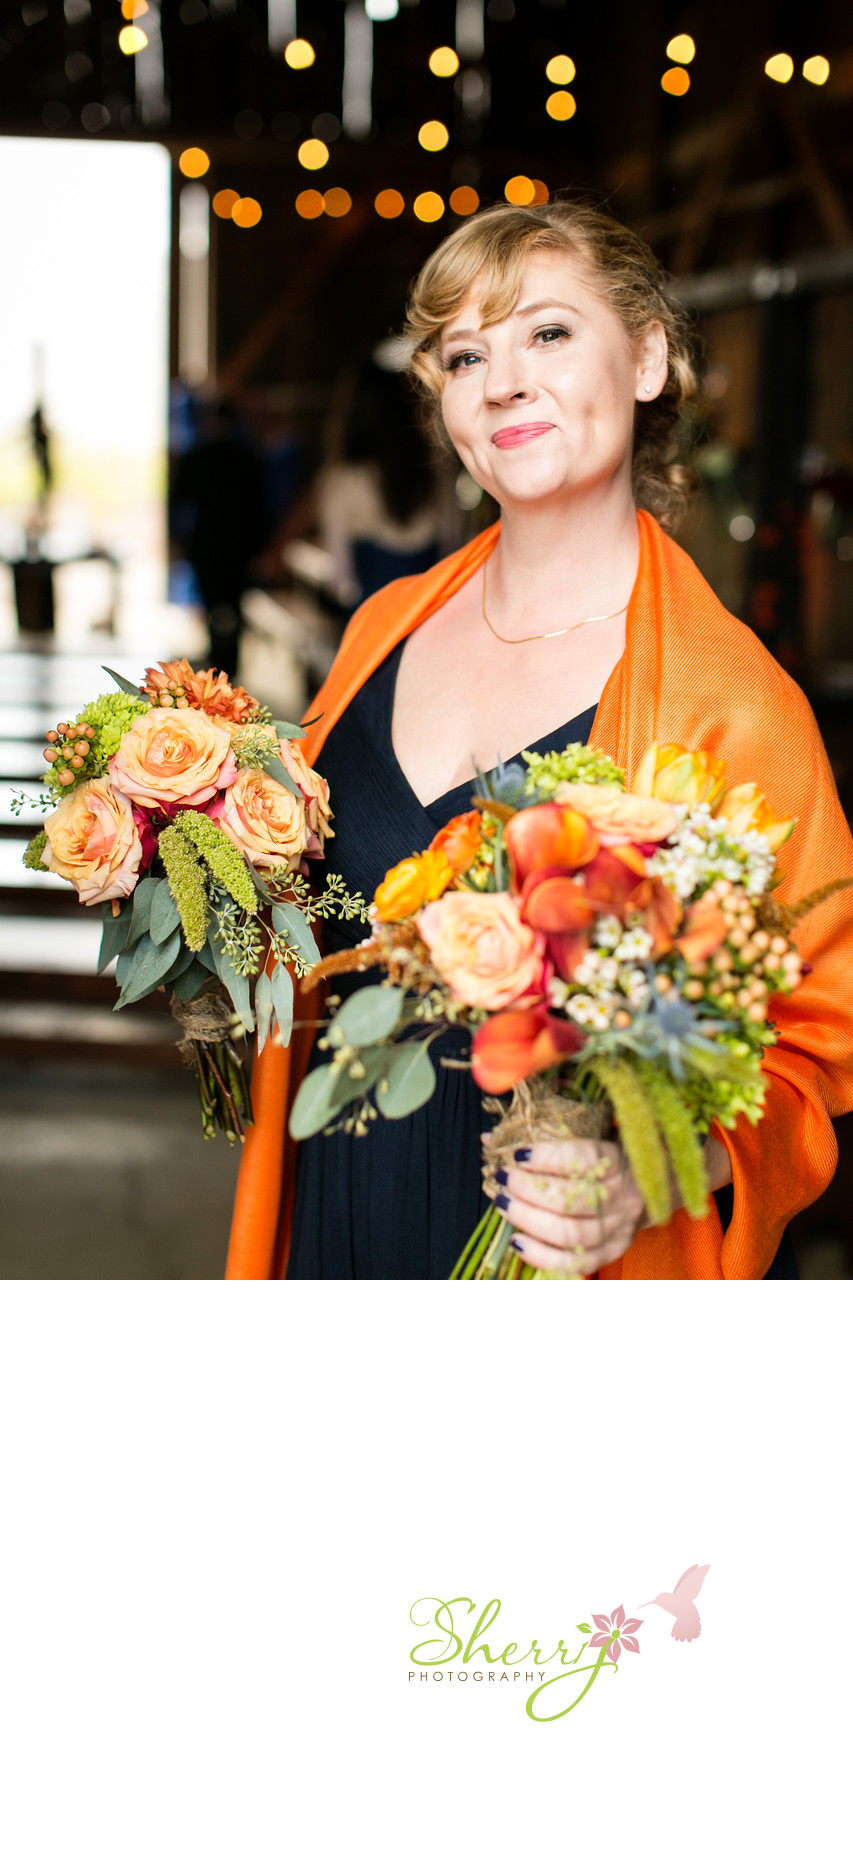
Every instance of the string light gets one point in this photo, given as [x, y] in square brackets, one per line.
[224, 202]
[132, 39]
[133, 9]
[541, 195]
[433, 135]
[246, 213]
[560, 70]
[382, 9]
[389, 204]
[313, 153]
[816, 70]
[299, 54]
[443, 62]
[337, 202]
[780, 67]
[520, 190]
[464, 201]
[560, 105]
[309, 204]
[194, 162]
[429, 206]
[675, 81]
[681, 49]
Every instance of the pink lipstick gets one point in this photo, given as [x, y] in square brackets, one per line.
[519, 436]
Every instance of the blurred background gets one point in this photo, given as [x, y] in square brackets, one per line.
[212, 211]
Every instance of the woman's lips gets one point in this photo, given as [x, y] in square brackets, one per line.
[518, 436]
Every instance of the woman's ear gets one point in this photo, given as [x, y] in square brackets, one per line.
[652, 363]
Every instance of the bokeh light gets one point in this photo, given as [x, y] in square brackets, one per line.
[780, 67]
[443, 62]
[313, 153]
[433, 135]
[741, 528]
[389, 204]
[541, 194]
[337, 202]
[309, 204]
[816, 70]
[299, 54]
[429, 206]
[560, 70]
[246, 213]
[224, 202]
[464, 200]
[193, 162]
[681, 49]
[560, 105]
[133, 9]
[132, 39]
[675, 81]
[520, 190]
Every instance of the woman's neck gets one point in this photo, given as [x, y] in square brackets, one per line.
[575, 557]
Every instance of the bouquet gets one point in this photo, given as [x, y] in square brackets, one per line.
[613, 953]
[188, 814]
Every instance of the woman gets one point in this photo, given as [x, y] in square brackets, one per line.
[546, 339]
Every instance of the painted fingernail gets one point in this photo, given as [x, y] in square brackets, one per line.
[516, 1245]
[502, 1201]
[501, 1176]
[522, 1155]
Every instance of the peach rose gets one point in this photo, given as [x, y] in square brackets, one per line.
[619, 815]
[263, 819]
[173, 757]
[92, 840]
[481, 947]
[315, 790]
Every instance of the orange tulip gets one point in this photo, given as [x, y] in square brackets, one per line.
[704, 931]
[459, 841]
[744, 808]
[516, 1043]
[408, 886]
[549, 836]
[676, 775]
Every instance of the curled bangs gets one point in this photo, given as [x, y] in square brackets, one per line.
[491, 250]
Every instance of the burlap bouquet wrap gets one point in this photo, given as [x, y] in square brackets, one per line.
[536, 1114]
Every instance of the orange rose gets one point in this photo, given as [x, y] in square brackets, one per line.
[619, 815]
[93, 841]
[314, 789]
[677, 775]
[263, 819]
[459, 841]
[480, 945]
[173, 757]
[408, 886]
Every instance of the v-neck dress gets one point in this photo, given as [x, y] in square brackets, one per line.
[399, 1203]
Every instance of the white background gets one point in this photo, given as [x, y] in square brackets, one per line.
[221, 1500]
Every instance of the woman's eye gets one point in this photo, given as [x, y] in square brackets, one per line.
[461, 361]
[551, 332]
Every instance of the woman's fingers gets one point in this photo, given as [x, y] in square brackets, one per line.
[581, 1262]
[568, 1196]
[562, 1158]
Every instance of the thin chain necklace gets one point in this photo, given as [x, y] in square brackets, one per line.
[543, 637]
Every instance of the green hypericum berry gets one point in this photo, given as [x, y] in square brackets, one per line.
[185, 875]
[223, 859]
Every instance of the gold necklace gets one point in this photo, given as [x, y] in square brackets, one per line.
[543, 637]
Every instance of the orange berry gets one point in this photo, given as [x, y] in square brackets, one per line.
[65, 777]
[50, 757]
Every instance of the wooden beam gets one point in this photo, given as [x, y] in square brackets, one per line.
[711, 191]
[827, 198]
[334, 239]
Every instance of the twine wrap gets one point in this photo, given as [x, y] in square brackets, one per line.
[534, 1114]
[207, 1018]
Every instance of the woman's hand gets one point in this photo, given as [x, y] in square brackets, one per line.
[561, 1223]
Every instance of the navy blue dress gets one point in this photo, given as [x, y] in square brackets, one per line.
[399, 1203]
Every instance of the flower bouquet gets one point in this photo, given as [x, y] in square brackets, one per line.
[188, 814]
[614, 955]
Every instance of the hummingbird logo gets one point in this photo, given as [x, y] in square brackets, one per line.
[680, 1603]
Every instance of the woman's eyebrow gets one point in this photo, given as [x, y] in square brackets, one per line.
[526, 310]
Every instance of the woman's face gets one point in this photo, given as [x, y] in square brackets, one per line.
[542, 404]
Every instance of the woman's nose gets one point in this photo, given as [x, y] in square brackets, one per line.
[506, 380]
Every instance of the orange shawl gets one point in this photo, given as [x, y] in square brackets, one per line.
[691, 675]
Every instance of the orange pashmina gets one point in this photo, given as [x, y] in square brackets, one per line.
[691, 675]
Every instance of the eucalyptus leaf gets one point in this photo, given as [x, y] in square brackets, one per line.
[284, 730]
[236, 986]
[191, 981]
[115, 933]
[263, 1008]
[181, 964]
[282, 996]
[144, 967]
[409, 1081]
[314, 1103]
[260, 888]
[143, 895]
[164, 914]
[294, 925]
[274, 767]
[126, 686]
[369, 1015]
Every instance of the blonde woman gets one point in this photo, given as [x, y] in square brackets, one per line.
[550, 349]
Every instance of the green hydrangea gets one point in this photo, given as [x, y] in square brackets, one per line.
[34, 851]
[111, 716]
[578, 763]
[223, 859]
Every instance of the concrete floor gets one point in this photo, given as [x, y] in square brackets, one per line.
[104, 1174]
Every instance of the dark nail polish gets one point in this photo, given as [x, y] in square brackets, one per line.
[500, 1176]
[516, 1245]
[522, 1155]
[502, 1201]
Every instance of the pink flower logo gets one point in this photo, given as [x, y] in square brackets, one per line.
[614, 1632]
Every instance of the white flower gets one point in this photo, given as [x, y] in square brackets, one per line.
[558, 991]
[608, 971]
[607, 931]
[588, 1013]
[635, 943]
